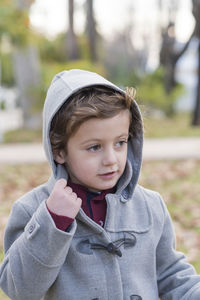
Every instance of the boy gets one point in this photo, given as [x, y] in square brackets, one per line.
[91, 232]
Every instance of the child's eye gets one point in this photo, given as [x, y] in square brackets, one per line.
[121, 143]
[94, 148]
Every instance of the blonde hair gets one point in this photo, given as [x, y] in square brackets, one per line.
[87, 103]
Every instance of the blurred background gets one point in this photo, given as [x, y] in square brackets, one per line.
[153, 46]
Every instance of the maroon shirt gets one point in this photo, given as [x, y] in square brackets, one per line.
[93, 204]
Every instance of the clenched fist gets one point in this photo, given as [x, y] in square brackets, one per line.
[63, 201]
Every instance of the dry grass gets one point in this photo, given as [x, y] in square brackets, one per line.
[179, 184]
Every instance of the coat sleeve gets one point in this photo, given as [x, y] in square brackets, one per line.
[177, 279]
[35, 250]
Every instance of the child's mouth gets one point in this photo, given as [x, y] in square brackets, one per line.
[108, 175]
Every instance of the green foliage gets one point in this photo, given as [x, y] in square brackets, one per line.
[2, 105]
[150, 88]
[52, 50]
[120, 73]
[150, 91]
[84, 47]
[133, 79]
[14, 23]
[49, 70]
[22, 136]
[56, 50]
[37, 96]
[7, 77]
[178, 125]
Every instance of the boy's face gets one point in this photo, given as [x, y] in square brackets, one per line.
[96, 155]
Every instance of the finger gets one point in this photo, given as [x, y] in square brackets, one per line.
[61, 183]
[68, 189]
[79, 200]
[74, 196]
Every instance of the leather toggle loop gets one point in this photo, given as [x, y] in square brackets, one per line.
[114, 246]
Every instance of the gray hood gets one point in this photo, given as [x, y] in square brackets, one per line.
[62, 87]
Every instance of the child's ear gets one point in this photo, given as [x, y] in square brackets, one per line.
[59, 156]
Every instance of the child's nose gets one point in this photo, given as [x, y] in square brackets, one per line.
[109, 157]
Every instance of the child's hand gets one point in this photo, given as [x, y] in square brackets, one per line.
[63, 201]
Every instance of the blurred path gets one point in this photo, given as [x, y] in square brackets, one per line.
[21, 153]
[154, 149]
[172, 148]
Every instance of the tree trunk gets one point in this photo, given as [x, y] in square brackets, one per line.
[169, 57]
[27, 77]
[72, 44]
[196, 14]
[91, 30]
[196, 113]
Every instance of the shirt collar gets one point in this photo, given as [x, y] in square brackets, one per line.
[82, 191]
